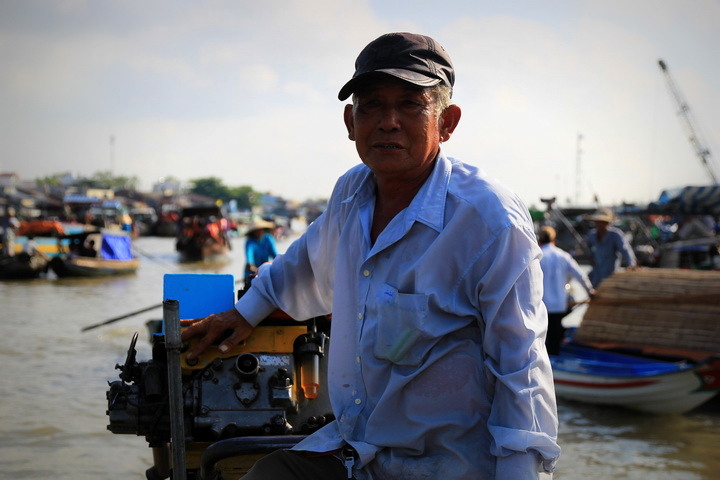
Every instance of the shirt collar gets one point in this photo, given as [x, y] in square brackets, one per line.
[428, 206]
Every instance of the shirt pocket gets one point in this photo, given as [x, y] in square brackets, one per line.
[401, 336]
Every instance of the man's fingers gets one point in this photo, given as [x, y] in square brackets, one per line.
[232, 341]
[194, 327]
[189, 321]
[213, 327]
[200, 347]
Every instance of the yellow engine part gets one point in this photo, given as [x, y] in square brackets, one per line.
[264, 339]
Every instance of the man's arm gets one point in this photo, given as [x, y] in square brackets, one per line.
[579, 275]
[628, 256]
[523, 419]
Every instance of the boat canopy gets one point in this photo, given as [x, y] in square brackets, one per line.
[116, 246]
[704, 200]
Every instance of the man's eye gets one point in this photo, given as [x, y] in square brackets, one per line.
[413, 104]
[368, 105]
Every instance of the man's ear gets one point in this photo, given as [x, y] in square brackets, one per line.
[448, 121]
[349, 121]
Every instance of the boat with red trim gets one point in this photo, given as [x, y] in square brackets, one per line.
[658, 385]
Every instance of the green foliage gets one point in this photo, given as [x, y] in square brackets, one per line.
[214, 188]
[106, 179]
[245, 196]
[99, 180]
[51, 180]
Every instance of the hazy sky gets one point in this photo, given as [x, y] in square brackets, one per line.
[247, 90]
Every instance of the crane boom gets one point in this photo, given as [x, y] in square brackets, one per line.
[698, 145]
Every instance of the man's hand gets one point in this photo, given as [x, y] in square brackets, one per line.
[213, 327]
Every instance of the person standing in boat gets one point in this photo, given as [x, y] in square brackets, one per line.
[431, 270]
[260, 247]
[10, 225]
[609, 247]
[558, 267]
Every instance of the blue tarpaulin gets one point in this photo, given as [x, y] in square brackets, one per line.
[703, 200]
[116, 247]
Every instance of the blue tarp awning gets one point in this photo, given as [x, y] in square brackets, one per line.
[80, 199]
[703, 200]
[116, 247]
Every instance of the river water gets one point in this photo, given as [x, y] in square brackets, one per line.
[54, 378]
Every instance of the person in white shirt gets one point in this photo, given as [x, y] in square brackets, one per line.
[558, 267]
[430, 268]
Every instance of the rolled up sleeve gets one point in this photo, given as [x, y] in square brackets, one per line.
[523, 419]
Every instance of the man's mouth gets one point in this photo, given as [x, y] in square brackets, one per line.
[387, 146]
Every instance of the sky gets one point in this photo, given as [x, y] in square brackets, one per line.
[559, 98]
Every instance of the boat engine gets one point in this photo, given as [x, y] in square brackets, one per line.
[266, 393]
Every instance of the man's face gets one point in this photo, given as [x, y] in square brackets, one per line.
[601, 226]
[395, 128]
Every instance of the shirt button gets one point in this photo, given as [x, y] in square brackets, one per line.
[357, 359]
[359, 316]
[366, 273]
[358, 401]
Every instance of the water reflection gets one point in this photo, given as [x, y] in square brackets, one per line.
[601, 442]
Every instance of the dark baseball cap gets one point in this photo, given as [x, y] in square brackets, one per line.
[417, 59]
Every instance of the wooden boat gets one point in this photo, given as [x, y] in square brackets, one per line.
[649, 341]
[652, 385]
[166, 224]
[115, 257]
[203, 234]
[92, 267]
[22, 266]
[144, 219]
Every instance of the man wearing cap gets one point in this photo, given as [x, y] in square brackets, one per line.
[608, 246]
[437, 364]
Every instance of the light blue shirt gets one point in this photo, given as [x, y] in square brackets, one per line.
[437, 363]
[608, 252]
[558, 268]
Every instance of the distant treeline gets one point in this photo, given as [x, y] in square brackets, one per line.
[212, 187]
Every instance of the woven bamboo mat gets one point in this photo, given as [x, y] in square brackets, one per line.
[670, 308]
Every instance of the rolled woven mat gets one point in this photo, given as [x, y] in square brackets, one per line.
[670, 308]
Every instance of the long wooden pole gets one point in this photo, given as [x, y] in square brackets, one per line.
[121, 317]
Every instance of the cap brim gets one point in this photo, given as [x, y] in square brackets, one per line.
[407, 75]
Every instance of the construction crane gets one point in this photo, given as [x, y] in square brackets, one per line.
[698, 145]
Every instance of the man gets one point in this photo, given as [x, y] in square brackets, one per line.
[437, 365]
[558, 267]
[609, 246]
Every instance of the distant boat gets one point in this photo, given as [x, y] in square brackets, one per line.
[203, 234]
[166, 224]
[115, 257]
[22, 266]
[144, 219]
[646, 384]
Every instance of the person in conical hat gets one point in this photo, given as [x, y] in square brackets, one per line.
[260, 247]
[609, 247]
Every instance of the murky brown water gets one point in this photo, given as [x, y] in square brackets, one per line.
[54, 379]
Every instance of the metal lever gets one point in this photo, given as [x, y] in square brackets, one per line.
[173, 345]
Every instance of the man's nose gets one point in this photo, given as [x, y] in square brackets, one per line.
[390, 119]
